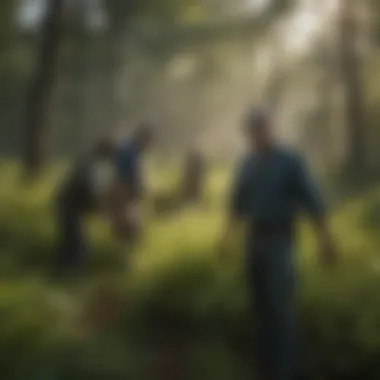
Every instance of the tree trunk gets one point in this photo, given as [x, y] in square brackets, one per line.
[324, 128]
[275, 90]
[353, 91]
[84, 91]
[41, 92]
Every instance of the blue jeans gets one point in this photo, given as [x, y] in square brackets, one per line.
[271, 281]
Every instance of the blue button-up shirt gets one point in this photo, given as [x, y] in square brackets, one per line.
[128, 170]
[274, 188]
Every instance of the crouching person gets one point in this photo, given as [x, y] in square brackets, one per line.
[84, 191]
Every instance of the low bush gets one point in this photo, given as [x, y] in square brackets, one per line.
[180, 292]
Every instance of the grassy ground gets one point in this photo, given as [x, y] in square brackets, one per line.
[179, 289]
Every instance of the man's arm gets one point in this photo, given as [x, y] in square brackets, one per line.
[238, 203]
[311, 200]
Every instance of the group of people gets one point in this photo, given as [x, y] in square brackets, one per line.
[272, 187]
[108, 182]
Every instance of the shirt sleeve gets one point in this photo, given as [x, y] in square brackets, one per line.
[239, 202]
[307, 192]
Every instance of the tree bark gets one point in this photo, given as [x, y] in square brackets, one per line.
[275, 90]
[42, 88]
[84, 91]
[353, 91]
[325, 138]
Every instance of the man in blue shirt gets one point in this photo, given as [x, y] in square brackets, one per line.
[272, 187]
[129, 184]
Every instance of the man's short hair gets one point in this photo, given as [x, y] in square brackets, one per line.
[256, 118]
[145, 129]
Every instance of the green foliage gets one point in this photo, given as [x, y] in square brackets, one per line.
[375, 18]
[7, 25]
[179, 289]
[163, 11]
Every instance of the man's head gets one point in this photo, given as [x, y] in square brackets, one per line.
[104, 148]
[144, 135]
[258, 130]
[194, 151]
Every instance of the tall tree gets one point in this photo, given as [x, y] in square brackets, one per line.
[353, 89]
[324, 134]
[83, 62]
[274, 92]
[374, 7]
[166, 14]
[42, 89]
[7, 9]
[122, 16]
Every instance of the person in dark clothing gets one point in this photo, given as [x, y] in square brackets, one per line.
[273, 185]
[129, 189]
[82, 192]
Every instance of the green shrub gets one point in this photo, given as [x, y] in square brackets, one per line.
[179, 289]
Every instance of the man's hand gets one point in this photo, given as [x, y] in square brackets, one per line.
[327, 251]
[128, 221]
[224, 245]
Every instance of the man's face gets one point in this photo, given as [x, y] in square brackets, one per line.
[259, 135]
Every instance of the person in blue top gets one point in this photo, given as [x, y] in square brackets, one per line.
[129, 187]
[124, 209]
[272, 187]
